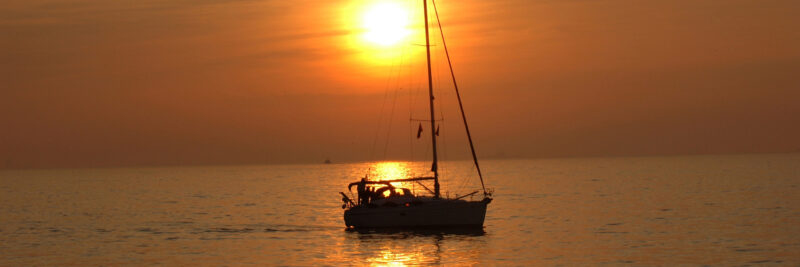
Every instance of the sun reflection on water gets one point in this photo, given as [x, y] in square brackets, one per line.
[393, 170]
[390, 170]
[396, 247]
[388, 258]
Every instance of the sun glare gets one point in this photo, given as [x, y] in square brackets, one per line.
[390, 170]
[381, 34]
[385, 23]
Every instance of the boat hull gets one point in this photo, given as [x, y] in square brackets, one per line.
[433, 213]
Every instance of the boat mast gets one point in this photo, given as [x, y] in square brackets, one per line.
[458, 95]
[434, 167]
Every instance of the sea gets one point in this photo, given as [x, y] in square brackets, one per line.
[704, 210]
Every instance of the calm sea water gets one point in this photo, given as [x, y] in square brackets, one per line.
[704, 210]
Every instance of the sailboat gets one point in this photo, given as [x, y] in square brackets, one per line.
[380, 204]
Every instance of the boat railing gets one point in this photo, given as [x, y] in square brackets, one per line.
[476, 191]
[388, 182]
[348, 203]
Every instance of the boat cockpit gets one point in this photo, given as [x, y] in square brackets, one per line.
[380, 193]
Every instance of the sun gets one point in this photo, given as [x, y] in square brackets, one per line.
[380, 33]
[385, 23]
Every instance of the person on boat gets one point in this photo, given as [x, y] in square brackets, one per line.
[371, 195]
[362, 191]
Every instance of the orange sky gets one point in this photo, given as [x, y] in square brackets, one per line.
[131, 83]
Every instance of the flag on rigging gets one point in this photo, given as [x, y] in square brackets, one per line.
[437, 130]
[419, 131]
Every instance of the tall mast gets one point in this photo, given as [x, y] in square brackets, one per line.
[458, 95]
[434, 167]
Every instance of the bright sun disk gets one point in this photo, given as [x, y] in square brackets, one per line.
[385, 24]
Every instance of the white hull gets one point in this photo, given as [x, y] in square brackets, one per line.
[427, 213]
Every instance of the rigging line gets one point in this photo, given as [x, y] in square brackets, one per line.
[463, 184]
[410, 91]
[444, 156]
[378, 129]
[458, 95]
[413, 119]
[434, 166]
[389, 128]
[427, 151]
[441, 106]
[397, 71]
[465, 180]
[410, 130]
[374, 147]
[411, 88]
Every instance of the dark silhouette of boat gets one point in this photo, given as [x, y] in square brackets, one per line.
[380, 204]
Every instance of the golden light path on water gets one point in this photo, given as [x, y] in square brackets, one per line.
[726, 210]
[388, 257]
[392, 170]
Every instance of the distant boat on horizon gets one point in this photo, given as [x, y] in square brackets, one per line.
[380, 204]
[327, 161]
